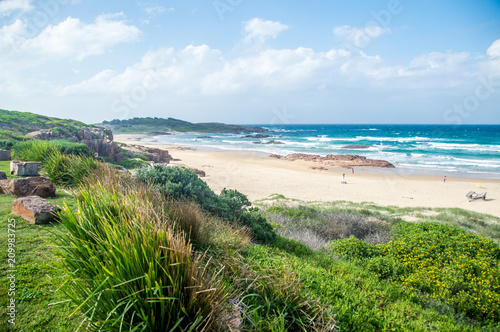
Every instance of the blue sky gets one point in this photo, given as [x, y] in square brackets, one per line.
[261, 62]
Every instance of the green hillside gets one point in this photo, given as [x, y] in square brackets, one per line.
[14, 124]
[144, 125]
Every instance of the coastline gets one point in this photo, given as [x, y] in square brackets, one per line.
[259, 176]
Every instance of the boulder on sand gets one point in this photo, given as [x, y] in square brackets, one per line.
[35, 210]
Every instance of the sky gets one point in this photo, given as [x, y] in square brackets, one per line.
[253, 62]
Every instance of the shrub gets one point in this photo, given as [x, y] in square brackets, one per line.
[235, 202]
[385, 267]
[450, 265]
[182, 184]
[261, 230]
[7, 144]
[352, 248]
[128, 269]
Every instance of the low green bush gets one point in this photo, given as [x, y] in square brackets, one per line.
[451, 265]
[7, 144]
[132, 164]
[182, 184]
[442, 265]
[352, 248]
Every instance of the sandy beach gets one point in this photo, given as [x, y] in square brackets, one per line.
[258, 177]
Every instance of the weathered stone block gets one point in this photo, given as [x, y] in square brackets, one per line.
[4, 155]
[35, 210]
[24, 168]
[22, 187]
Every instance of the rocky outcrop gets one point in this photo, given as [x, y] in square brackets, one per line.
[319, 168]
[356, 146]
[3, 176]
[153, 154]
[35, 210]
[22, 187]
[256, 136]
[98, 140]
[346, 161]
[269, 142]
[196, 171]
[24, 168]
[4, 155]
[94, 133]
[104, 148]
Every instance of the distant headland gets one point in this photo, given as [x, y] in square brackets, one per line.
[150, 124]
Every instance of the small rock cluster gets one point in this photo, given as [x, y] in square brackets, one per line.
[346, 161]
[31, 206]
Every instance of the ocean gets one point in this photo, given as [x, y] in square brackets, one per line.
[466, 150]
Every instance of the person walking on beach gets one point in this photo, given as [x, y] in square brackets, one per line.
[342, 179]
[444, 179]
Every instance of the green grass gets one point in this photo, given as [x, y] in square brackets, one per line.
[38, 276]
[421, 280]
[442, 262]
[5, 166]
[15, 125]
[360, 300]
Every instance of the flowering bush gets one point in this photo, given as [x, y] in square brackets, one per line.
[438, 261]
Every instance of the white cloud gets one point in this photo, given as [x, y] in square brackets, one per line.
[359, 37]
[491, 65]
[9, 6]
[74, 39]
[494, 49]
[259, 30]
[203, 71]
[440, 61]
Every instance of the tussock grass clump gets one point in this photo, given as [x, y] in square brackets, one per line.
[275, 299]
[39, 150]
[68, 170]
[131, 269]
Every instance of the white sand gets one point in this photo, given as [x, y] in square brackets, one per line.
[258, 177]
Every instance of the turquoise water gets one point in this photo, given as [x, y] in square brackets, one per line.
[425, 149]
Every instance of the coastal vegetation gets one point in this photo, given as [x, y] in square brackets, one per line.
[161, 125]
[160, 250]
[14, 124]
